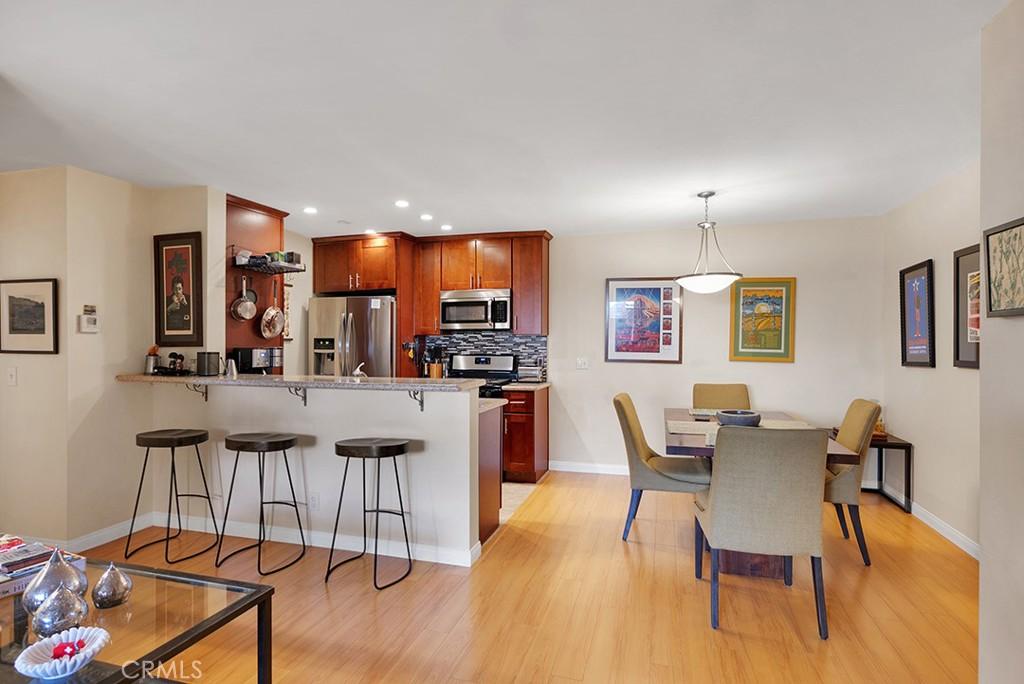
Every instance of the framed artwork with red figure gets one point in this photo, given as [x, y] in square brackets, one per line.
[643, 320]
[178, 267]
[917, 315]
[967, 306]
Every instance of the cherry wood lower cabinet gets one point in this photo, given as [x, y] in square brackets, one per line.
[525, 435]
[490, 437]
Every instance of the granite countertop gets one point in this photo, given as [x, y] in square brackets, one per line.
[525, 386]
[488, 404]
[314, 382]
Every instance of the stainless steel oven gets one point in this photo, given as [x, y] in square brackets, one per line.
[476, 310]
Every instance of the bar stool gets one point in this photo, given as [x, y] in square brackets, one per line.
[171, 439]
[261, 443]
[377, 449]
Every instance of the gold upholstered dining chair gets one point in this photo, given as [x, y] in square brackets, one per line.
[650, 470]
[842, 482]
[720, 396]
[765, 499]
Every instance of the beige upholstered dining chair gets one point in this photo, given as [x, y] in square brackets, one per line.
[649, 469]
[720, 396]
[842, 482]
[764, 498]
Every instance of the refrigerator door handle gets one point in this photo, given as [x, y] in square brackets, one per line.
[339, 364]
[349, 361]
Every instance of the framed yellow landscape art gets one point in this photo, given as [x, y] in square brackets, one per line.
[762, 319]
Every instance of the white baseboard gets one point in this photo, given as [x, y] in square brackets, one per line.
[954, 535]
[598, 468]
[345, 542]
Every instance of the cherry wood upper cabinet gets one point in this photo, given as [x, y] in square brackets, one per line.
[427, 282]
[530, 285]
[458, 264]
[376, 270]
[354, 265]
[493, 263]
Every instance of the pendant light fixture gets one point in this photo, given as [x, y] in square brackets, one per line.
[703, 280]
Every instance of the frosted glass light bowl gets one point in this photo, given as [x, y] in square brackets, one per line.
[37, 660]
[739, 417]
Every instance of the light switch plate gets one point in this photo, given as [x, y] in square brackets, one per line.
[582, 363]
[12, 376]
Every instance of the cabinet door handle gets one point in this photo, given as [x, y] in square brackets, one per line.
[357, 281]
[350, 281]
[517, 322]
[506, 426]
[435, 323]
[511, 401]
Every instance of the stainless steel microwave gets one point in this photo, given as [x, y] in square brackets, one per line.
[476, 310]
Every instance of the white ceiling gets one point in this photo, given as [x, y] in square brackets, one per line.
[570, 115]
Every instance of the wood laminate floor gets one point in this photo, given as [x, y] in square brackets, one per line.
[559, 597]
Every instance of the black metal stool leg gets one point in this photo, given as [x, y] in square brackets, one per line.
[376, 528]
[224, 525]
[209, 499]
[177, 505]
[262, 534]
[135, 511]
[332, 567]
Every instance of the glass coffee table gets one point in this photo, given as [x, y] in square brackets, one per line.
[167, 612]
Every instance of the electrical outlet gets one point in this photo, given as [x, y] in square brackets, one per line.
[314, 501]
[12, 376]
[582, 363]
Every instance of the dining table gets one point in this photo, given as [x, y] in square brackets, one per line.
[687, 434]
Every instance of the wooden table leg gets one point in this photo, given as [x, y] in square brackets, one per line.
[752, 564]
[263, 643]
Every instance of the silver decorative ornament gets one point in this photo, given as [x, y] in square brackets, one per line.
[57, 571]
[112, 588]
[63, 609]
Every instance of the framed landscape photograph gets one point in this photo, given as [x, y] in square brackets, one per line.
[178, 267]
[967, 306]
[643, 320]
[917, 315]
[762, 319]
[28, 316]
[1004, 266]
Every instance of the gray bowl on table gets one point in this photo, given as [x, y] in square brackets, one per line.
[739, 417]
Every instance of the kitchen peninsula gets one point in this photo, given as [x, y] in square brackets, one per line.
[439, 475]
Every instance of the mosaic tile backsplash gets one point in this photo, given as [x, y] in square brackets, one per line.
[532, 350]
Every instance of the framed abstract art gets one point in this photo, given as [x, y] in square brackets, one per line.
[28, 316]
[1004, 267]
[967, 306]
[643, 320]
[917, 315]
[762, 319]
[178, 268]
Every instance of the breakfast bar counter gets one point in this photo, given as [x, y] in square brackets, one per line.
[439, 473]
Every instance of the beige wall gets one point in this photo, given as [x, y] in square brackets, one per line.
[1002, 369]
[34, 414]
[839, 352]
[95, 234]
[296, 350]
[935, 408]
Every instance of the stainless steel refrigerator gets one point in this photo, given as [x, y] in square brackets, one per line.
[345, 332]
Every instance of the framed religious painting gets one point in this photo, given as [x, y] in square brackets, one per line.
[178, 269]
[28, 316]
[917, 315]
[763, 319]
[1004, 269]
[967, 306]
[643, 320]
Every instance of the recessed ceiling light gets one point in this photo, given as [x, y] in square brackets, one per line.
[426, 217]
[370, 231]
[309, 210]
[446, 227]
[401, 204]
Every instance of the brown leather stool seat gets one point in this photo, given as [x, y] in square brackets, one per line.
[171, 437]
[257, 442]
[371, 447]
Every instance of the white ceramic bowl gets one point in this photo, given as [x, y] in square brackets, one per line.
[37, 660]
